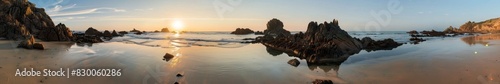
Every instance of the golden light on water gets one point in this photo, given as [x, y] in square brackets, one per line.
[486, 45]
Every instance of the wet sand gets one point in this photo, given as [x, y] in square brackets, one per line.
[447, 60]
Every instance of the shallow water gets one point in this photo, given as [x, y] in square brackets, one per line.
[468, 60]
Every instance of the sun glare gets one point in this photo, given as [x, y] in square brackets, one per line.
[178, 25]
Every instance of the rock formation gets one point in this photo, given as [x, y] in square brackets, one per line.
[275, 29]
[294, 62]
[20, 18]
[488, 26]
[115, 34]
[165, 30]
[135, 30]
[107, 34]
[93, 32]
[242, 31]
[323, 43]
[29, 43]
[259, 33]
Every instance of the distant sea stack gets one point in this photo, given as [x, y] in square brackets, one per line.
[20, 18]
[488, 26]
[165, 30]
[242, 31]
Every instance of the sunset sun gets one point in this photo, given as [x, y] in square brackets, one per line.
[178, 25]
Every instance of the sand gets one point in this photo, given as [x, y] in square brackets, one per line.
[448, 60]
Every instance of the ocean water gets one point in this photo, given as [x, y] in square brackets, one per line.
[224, 39]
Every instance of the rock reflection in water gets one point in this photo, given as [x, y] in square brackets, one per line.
[480, 39]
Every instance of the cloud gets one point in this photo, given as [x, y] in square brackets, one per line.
[67, 18]
[58, 2]
[87, 11]
[58, 8]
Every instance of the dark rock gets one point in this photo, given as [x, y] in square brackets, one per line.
[294, 62]
[135, 30]
[138, 33]
[433, 33]
[168, 56]
[259, 33]
[156, 31]
[179, 75]
[123, 32]
[107, 34]
[27, 42]
[176, 83]
[93, 32]
[38, 46]
[322, 44]
[319, 81]
[115, 34]
[83, 38]
[412, 32]
[415, 40]
[275, 29]
[58, 33]
[165, 30]
[242, 31]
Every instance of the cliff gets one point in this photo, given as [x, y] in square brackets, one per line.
[488, 26]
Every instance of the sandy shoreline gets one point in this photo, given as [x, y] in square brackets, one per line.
[446, 60]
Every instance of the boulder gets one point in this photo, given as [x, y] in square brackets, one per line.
[165, 30]
[167, 56]
[275, 29]
[386, 44]
[93, 32]
[38, 46]
[27, 42]
[83, 38]
[294, 62]
[242, 31]
[259, 33]
[107, 34]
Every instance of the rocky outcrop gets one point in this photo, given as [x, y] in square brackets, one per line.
[242, 31]
[114, 33]
[123, 32]
[135, 30]
[488, 26]
[165, 30]
[259, 33]
[323, 43]
[29, 43]
[58, 33]
[93, 32]
[107, 34]
[319, 81]
[82, 38]
[275, 29]
[20, 18]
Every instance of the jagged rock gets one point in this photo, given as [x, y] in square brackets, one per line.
[115, 34]
[319, 81]
[488, 26]
[275, 29]
[93, 32]
[165, 30]
[20, 18]
[242, 31]
[107, 34]
[451, 30]
[324, 43]
[58, 33]
[294, 62]
[433, 33]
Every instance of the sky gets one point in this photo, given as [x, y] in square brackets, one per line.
[227, 15]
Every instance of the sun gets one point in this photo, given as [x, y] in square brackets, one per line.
[178, 25]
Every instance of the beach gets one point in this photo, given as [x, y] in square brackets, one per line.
[457, 60]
